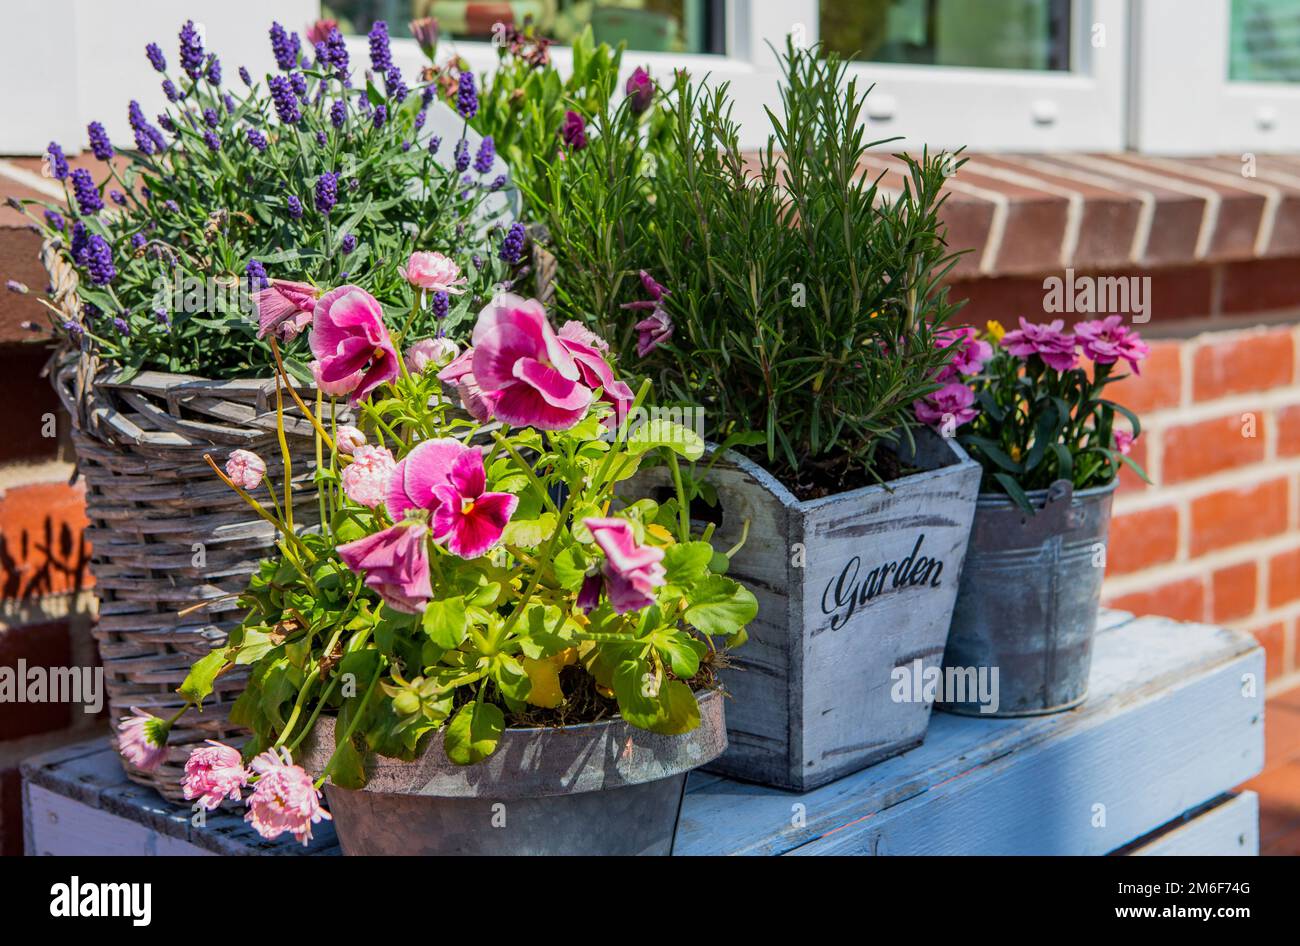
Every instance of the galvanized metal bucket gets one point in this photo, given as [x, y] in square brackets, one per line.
[1026, 612]
[598, 788]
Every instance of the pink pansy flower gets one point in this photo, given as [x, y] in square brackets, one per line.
[447, 478]
[284, 308]
[142, 739]
[971, 352]
[438, 352]
[653, 331]
[1049, 342]
[245, 469]
[460, 375]
[354, 354]
[213, 773]
[365, 479]
[1108, 340]
[395, 564]
[632, 572]
[284, 799]
[348, 439]
[947, 408]
[586, 348]
[435, 273]
[1123, 440]
[528, 375]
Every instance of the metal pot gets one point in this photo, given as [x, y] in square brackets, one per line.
[1026, 608]
[597, 788]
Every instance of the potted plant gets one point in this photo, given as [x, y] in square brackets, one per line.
[1037, 421]
[222, 224]
[481, 649]
[796, 305]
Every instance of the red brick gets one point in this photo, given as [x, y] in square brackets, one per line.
[1141, 539]
[1272, 637]
[1181, 600]
[1231, 516]
[1288, 431]
[1283, 578]
[43, 549]
[11, 813]
[1257, 361]
[1234, 590]
[1211, 446]
[1259, 286]
[1129, 481]
[1159, 385]
[38, 645]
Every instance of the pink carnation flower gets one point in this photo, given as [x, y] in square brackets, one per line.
[142, 739]
[245, 469]
[1049, 342]
[434, 272]
[1123, 440]
[365, 479]
[1108, 340]
[632, 572]
[284, 799]
[348, 438]
[971, 352]
[284, 308]
[947, 408]
[354, 353]
[213, 773]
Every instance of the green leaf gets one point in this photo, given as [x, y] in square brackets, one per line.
[445, 622]
[473, 733]
[509, 674]
[570, 568]
[203, 672]
[720, 606]
[1015, 492]
[685, 563]
[682, 651]
[529, 532]
[657, 432]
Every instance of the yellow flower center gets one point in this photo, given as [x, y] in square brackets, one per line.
[466, 506]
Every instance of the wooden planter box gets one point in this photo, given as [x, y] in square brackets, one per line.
[813, 686]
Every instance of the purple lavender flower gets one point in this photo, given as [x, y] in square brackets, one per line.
[353, 183]
[138, 241]
[122, 325]
[466, 96]
[487, 152]
[169, 90]
[212, 141]
[439, 302]
[229, 102]
[406, 146]
[167, 124]
[213, 74]
[338, 113]
[299, 83]
[295, 207]
[55, 220]
[321, 138]
[498, 182]
[462, 155]
[434, 144]
[513, 245]
[285, 46]
[147, 138]
[117, 197]
[381, 116]
[73, 329]
[286, 103]
[420, 118]
[58, 162]
[161, 317]
[244, 76]
[256, 139]
[83, 186]
[99, 143]
[429, 91]
[327, 192]
[348, 243]
[155, 55]
[80, 238]
[336, 53]
[396, 87]
[99, 260]
[211, 118]
[381, 56]
[191, 51]
[256, 274]
[477, 261]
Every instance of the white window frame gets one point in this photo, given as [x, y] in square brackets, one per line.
[1183, 101]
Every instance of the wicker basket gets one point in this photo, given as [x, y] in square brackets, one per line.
[166, 532]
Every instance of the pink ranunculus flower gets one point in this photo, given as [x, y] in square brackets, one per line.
[653, 331]
[522, 366]
[213, 773]
[1050, 342]
[142, 739]
[354, 353]
[435, 273]
[586, 348]
[447, 479]
[460, 375]
[632, 572]
[245, 469]
[1108, 340]
[284, 799]
[438, 352]
[947, 408]
[395, 564]
[971, 352]
[365, 479]
[348, 438]
[284, 308]
[1123, 440]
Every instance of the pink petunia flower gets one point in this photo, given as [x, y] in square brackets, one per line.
[1049, 342]
[284, 308]
[586, 347]
[526, 372]
[142, 739]
[447, 478]
[1123, 440]
[460, 375]
[213, 773]
[354, 353]
[1108, 340]
[395, 564]
[245, 469]
[632, 572]
[951, 404]
[438, 352]
[284, 799]
[435, 273]
[970, 355]
[365, 479]
[348, 438]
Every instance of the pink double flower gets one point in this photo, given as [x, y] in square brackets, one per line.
[354, 353]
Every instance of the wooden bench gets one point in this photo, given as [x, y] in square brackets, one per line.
[1173, 721]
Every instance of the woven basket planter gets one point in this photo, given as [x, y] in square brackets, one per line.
[167, 534]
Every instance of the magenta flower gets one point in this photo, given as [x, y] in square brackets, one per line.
[348, 438]
[586, 347]
[245, 469]
[213, 773]
[970, 355]
[395, 564]
[640, 89]
[526, 373]
[350, 341]
[574, 130]
[284, 308]
[434, 272]
[460, 375]
[285, 799]
[632, 572]
[447, 478]
[365, 479]
[438, 352]
[1049, 342]
[1108, 340]
[142, 739]
[653, 331]
[947, 408]
[1123, 440]
[319, 31]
